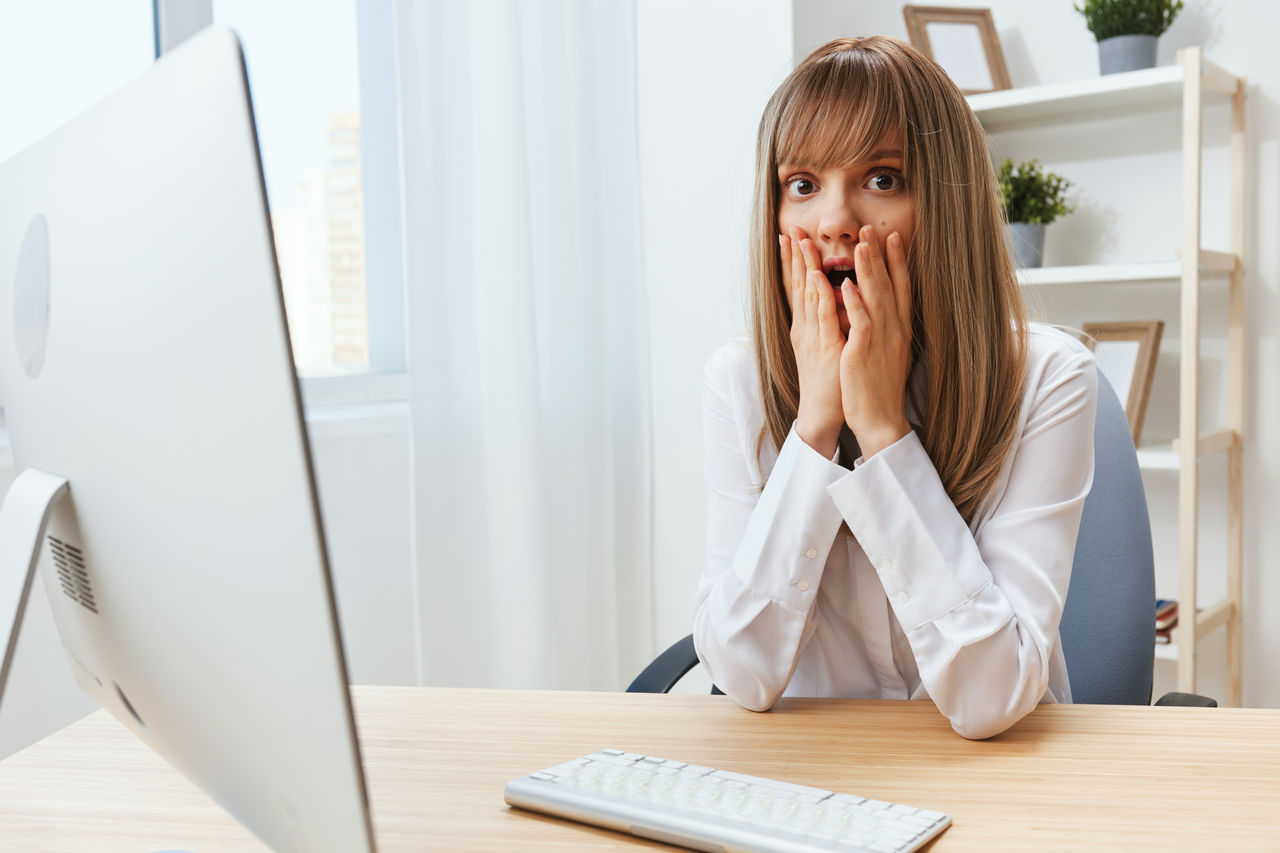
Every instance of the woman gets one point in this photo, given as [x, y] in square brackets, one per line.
[896, 460]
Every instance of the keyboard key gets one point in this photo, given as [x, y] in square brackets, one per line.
[848, 799]
[816, 793]
[917, 821]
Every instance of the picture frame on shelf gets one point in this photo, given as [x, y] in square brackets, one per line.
[963, 41]
[1126, 354]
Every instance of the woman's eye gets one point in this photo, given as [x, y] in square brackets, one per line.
[885, 181]
[801, 186]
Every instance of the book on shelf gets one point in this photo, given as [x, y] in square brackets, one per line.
[1166, 619]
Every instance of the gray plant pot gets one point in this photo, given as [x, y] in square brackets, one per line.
[1126, 53]
[1027, 241]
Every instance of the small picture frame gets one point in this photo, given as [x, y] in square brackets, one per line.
[1126, 355]
[963, 42]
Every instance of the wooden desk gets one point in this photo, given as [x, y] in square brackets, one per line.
[1065, 778]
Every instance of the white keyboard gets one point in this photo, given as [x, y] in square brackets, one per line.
[715, 810]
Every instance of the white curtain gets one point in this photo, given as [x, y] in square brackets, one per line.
[527, 342]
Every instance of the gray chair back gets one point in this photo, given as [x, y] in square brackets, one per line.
[1108, 624]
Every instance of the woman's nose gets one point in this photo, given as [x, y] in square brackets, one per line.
[839, 221]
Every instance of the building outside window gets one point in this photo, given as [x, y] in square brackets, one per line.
[306, 93]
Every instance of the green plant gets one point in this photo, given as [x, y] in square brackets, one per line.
[1030, 194]
[1107, 18]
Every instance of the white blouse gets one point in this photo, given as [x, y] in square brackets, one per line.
[916, 604]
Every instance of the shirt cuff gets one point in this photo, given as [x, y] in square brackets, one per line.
[920, 546]
[793, 527]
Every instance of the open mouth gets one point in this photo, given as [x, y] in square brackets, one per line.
[837, 277]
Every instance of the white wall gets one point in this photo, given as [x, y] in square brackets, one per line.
[704, 73]
[362, 470]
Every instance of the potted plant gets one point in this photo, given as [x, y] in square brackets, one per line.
[1127, 30]
[1032, 199]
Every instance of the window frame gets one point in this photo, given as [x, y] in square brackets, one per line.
[385, 380]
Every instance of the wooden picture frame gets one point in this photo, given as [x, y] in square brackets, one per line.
[963, 42]
[1126, 354]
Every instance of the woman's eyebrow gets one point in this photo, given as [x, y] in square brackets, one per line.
[885, 154]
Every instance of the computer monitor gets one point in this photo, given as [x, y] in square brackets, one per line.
[145, 358]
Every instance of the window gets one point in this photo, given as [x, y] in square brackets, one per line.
[324, 101]
[324, 89]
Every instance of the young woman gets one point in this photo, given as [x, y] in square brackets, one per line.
[896, 459]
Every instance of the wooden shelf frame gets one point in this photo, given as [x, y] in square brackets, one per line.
[1199, 75]
[1168, 456]
[1188, 85]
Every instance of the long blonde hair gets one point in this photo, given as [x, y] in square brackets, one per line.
[969, 324]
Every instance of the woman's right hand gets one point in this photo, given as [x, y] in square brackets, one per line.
[817, 341]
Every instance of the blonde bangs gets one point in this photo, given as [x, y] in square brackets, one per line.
[836, 115]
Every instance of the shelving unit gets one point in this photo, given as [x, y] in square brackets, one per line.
[1187, 85]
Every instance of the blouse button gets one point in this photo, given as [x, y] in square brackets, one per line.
[802, 585]
[902, 597]
[811, 553]
[886, 565]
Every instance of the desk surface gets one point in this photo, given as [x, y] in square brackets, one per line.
[1075, 777]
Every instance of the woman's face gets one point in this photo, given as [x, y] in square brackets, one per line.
[831, 206]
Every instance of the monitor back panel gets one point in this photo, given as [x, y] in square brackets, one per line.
[187, 571]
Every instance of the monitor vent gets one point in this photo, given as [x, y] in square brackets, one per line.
[72, 574]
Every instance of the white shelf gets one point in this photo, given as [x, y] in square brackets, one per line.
[1167, 651]
[1127, 94]
[1102, 273]
[1158, 457]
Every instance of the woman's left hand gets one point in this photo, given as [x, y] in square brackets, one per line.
[876, 360]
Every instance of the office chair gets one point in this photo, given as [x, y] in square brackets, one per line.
[1108, 622]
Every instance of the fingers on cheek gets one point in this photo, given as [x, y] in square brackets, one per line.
[861, 266]
[852, 297]
[810, 254]
[815, 283]
[857, 311]
[898, 256]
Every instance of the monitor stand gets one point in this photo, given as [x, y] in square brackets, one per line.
[23, 517]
